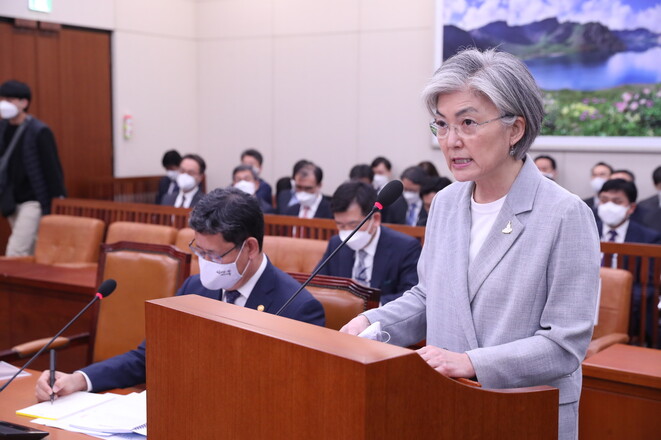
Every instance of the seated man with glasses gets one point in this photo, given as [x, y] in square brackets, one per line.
[375, 256]
[189, 180]
[229, 229]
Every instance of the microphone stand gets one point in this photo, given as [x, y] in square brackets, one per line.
[377, 207]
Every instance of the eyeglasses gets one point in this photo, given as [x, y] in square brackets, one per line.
[209, 256]
[467, 128]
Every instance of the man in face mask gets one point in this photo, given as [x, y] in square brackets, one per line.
[254, 159]
[168, 183]
[191, 175]
[617, 201]
[599, 174]
[229, 230]
[307, 186]
[652, 205]
[245, 179]
[30, 170]
[375, 256]
[413, 178]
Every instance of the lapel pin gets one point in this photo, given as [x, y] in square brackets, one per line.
[260, 308]
[508, 228]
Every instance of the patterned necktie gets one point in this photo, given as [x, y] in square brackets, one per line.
[231, 296]
[360, 273]
[613, 234]
[410, 217]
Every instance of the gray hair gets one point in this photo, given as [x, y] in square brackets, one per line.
[499, 76]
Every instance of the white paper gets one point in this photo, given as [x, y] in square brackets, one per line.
[7, 371]
[65, 406]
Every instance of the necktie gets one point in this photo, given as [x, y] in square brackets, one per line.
[231, 296]
[361, 270]
[410, 217]
[612, 235]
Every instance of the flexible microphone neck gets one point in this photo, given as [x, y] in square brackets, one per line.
[106, 288]
[386, 196]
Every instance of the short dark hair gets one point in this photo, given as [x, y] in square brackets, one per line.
[230, 212]
[549, 158]
[361, 171]
[198, 159]
[623, 171]
[244, 168]
[171, 158]
[629, 188]
[253, 153]
[415, 174]
[429, 168]
[656, 175]
[16, 89]
[347, 193]
[381, 160]
[434, 184]
[310, 168]
[298, 165]
[603, 164]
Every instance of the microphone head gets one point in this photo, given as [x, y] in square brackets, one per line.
[107, 287]
[389, 193]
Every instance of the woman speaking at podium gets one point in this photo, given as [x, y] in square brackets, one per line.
[509, 271]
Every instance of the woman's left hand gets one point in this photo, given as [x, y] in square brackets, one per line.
[448, 363]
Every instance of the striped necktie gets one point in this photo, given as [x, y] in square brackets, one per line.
[360, 272]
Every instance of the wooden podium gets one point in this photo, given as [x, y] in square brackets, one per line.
[216, 370]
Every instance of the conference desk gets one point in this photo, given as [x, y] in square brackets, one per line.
[621, 397]
[20, 394]
[37, 300]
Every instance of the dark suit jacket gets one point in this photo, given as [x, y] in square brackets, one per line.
[323, 210]
[636, 233]
[163, 186]
[265, 193]
[652, 217]
[272, 290]
[395, 213]
[395, 263]
[169, 199]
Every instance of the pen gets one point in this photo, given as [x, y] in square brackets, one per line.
[52, 375]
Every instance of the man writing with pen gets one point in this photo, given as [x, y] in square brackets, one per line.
[229, 230]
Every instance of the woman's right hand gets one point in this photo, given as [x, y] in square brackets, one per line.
[356, 325]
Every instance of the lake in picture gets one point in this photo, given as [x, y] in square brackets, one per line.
[596, 72]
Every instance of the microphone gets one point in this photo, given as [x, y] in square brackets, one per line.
[106, 288]
[386, 196]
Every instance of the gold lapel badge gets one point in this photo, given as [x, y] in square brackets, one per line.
[260, 308]
[508, 228]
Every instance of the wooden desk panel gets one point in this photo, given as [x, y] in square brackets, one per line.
[621, 395]
[37, 300]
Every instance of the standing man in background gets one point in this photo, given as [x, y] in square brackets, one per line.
[168, 183]
[30, 170]
[254, 159]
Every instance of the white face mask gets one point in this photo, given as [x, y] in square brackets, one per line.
[306, 199]
[411, 197]
[186, 182]
[379, 181]
[8, 110]
[245, 186]
[216, 276]
[257, 170]
[596, 183]
[172, 175]
[612, 214]
[359, 240]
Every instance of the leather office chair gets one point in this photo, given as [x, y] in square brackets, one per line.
[184, 237]
[342, 298]
[143, 271]
[294, 254]
[613, 322]
[140, 233]
[67, 240]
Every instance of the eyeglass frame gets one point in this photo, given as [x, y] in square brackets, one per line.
[214, 258]
[433, 126]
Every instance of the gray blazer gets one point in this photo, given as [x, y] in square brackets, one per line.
[524, 309]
